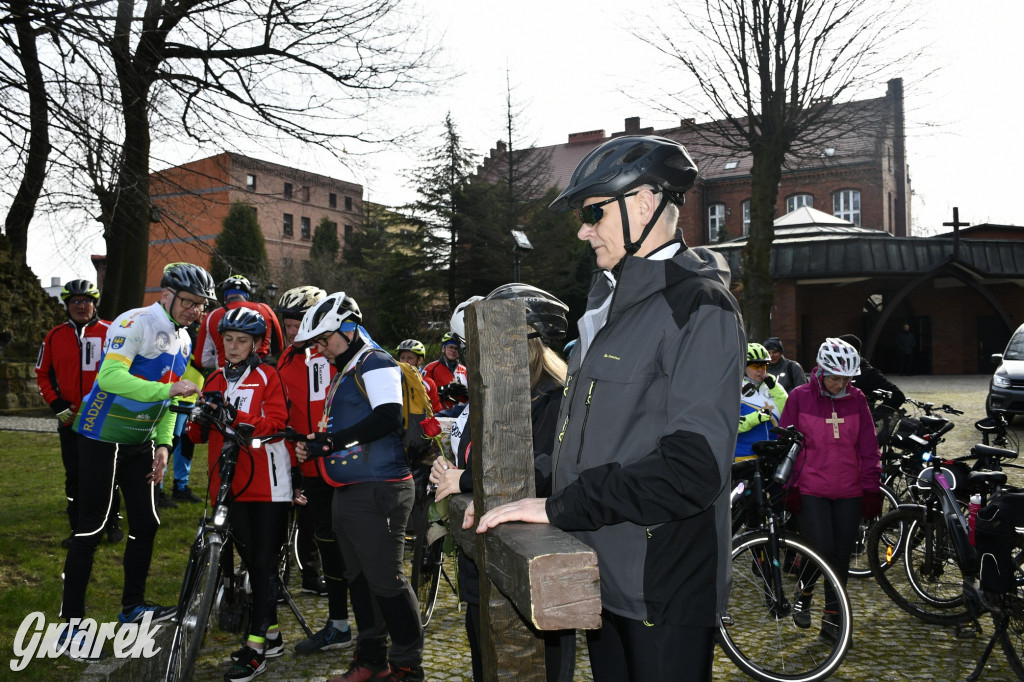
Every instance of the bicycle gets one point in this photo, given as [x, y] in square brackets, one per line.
[209, 578]
[758, 633]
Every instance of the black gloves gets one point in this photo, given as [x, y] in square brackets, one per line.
[769, 381]
[453, 392]
[321, 445]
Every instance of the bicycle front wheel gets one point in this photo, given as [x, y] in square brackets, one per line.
[930, 586]
[859, 565]
[427, 561]
[759, 633]
[194, 610]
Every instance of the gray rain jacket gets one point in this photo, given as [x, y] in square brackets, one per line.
[647, 431]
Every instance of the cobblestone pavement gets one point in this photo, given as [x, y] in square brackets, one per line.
[888, 643]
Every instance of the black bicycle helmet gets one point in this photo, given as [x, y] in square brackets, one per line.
[244, 320]
[189, 278]
[239, 283]
[80, 287]
[544, 312]
[295, 302]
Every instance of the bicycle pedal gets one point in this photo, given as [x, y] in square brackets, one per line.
[968, 630]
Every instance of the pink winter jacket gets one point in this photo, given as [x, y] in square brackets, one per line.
[829, 467]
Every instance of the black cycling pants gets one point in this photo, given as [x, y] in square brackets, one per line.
[103, 467]
[320, 497]
[627, 650]
[831, 527]
[259, 529]
[69, 455]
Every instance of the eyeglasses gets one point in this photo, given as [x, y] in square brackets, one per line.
[80, 301]
[323, 340]
[186, 304]
[757, 365]
[592, 214]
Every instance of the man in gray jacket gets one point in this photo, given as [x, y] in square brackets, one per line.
[647, 426]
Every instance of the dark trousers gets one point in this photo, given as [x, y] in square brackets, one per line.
[369, 523]
[103, 467]
[629, 650]
[259, 529]
[69, 456]
[320, 497]
[830, 526]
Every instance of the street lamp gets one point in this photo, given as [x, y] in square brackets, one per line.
[520, 242]
[272, 292]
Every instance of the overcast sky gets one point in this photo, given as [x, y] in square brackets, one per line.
[575, 66]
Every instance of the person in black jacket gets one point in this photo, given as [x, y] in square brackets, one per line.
[872, 379]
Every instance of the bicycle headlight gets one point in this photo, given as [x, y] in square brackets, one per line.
[220, 516]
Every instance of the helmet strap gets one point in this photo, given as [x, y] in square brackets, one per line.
[633, 247]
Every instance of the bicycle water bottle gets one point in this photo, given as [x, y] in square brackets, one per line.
[786, 468]
[972, 515]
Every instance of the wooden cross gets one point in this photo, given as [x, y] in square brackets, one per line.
[835, 421]
[956, 225]
[532, 576]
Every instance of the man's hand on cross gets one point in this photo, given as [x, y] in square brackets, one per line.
[530, 510]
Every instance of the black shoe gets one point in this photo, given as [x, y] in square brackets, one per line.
[314, 585]
[66, 542]
[250, 665]
[328, 638]
[802, 611]
[114, 533]
[185, 495]
[164, 502]
[272, 648]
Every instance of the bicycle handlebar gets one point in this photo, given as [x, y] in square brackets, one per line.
[930, 407]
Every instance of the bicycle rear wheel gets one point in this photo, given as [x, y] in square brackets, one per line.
[859, 565]
[194, 608]
[930, 586]
[427, 561]
[759, 633]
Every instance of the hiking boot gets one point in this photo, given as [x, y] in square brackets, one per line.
[135, 615]
[164, 502]
[185, 495]
[250, 664]
[314, 584]
[114, 532]
[272, 648]
[802, 610]
[400, 672]
[360, 671]
[328, 638]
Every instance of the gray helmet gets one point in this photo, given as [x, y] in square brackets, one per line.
[624, 163]
[544, 312]
[239, 282]
[189, 278]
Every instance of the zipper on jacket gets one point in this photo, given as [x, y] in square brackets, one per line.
[273, 469]
[586, 415]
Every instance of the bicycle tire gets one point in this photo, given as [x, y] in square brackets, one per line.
[859, 566]
[194, 610]
[924, 594]
[427, 561]
[758, 633]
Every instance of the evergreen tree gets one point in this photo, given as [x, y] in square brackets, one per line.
[240, 249]
[322, 267]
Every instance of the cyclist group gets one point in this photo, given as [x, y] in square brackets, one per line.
[644, 480]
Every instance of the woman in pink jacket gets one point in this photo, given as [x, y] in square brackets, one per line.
[836, 476]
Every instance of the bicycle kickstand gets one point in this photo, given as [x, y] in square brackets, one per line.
[295, 609]
[978, 669]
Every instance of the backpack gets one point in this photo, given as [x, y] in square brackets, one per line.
[998, 537]
[415, 408]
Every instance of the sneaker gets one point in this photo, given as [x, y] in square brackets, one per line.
[360, 671]
[411, 673]
[272, 648]
[325, 640]
[829, 626]
[315, 585]
[114, 533]
[135, 614]
[802, 611]
[76, 644]
[249, 665]
[185, 495]
[164, 502]
[66, 542]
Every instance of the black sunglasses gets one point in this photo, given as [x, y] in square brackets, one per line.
[592, 214]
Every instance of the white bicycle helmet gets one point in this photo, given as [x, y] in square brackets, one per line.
[837, 357]
[337, 312]
[458, 322]
[295, 302]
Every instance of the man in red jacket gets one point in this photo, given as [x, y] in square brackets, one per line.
[65, 371]
[209, 347]
[448, 374]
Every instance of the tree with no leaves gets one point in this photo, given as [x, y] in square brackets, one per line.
[772, 77]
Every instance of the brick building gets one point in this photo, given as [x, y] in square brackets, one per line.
[191, 201]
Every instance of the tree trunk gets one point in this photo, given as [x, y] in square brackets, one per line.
[24, 205]
[758, 293]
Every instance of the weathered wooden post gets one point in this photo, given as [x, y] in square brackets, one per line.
[532, 575]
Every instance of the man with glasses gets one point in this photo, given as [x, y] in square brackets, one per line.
[65, 371]
[124, 431]
[647, 426]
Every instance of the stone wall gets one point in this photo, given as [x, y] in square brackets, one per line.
[18, 388]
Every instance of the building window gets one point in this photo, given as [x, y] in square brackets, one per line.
[746, 217]
[716, 222]
[731, 165]
[348, 233]
[846, 205]
[305, 228]
[250, 182]
[287, 190]
[799, 201]
[288, 225]
[332, 200]
[348, 203]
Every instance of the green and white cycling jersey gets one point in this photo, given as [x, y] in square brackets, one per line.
[143, 354]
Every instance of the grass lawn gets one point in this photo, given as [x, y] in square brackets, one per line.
[31, 558]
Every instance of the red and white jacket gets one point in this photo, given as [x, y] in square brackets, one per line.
[438, 372]
[209, 346]
[68, 361]
[259, 398]
[306, 382]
